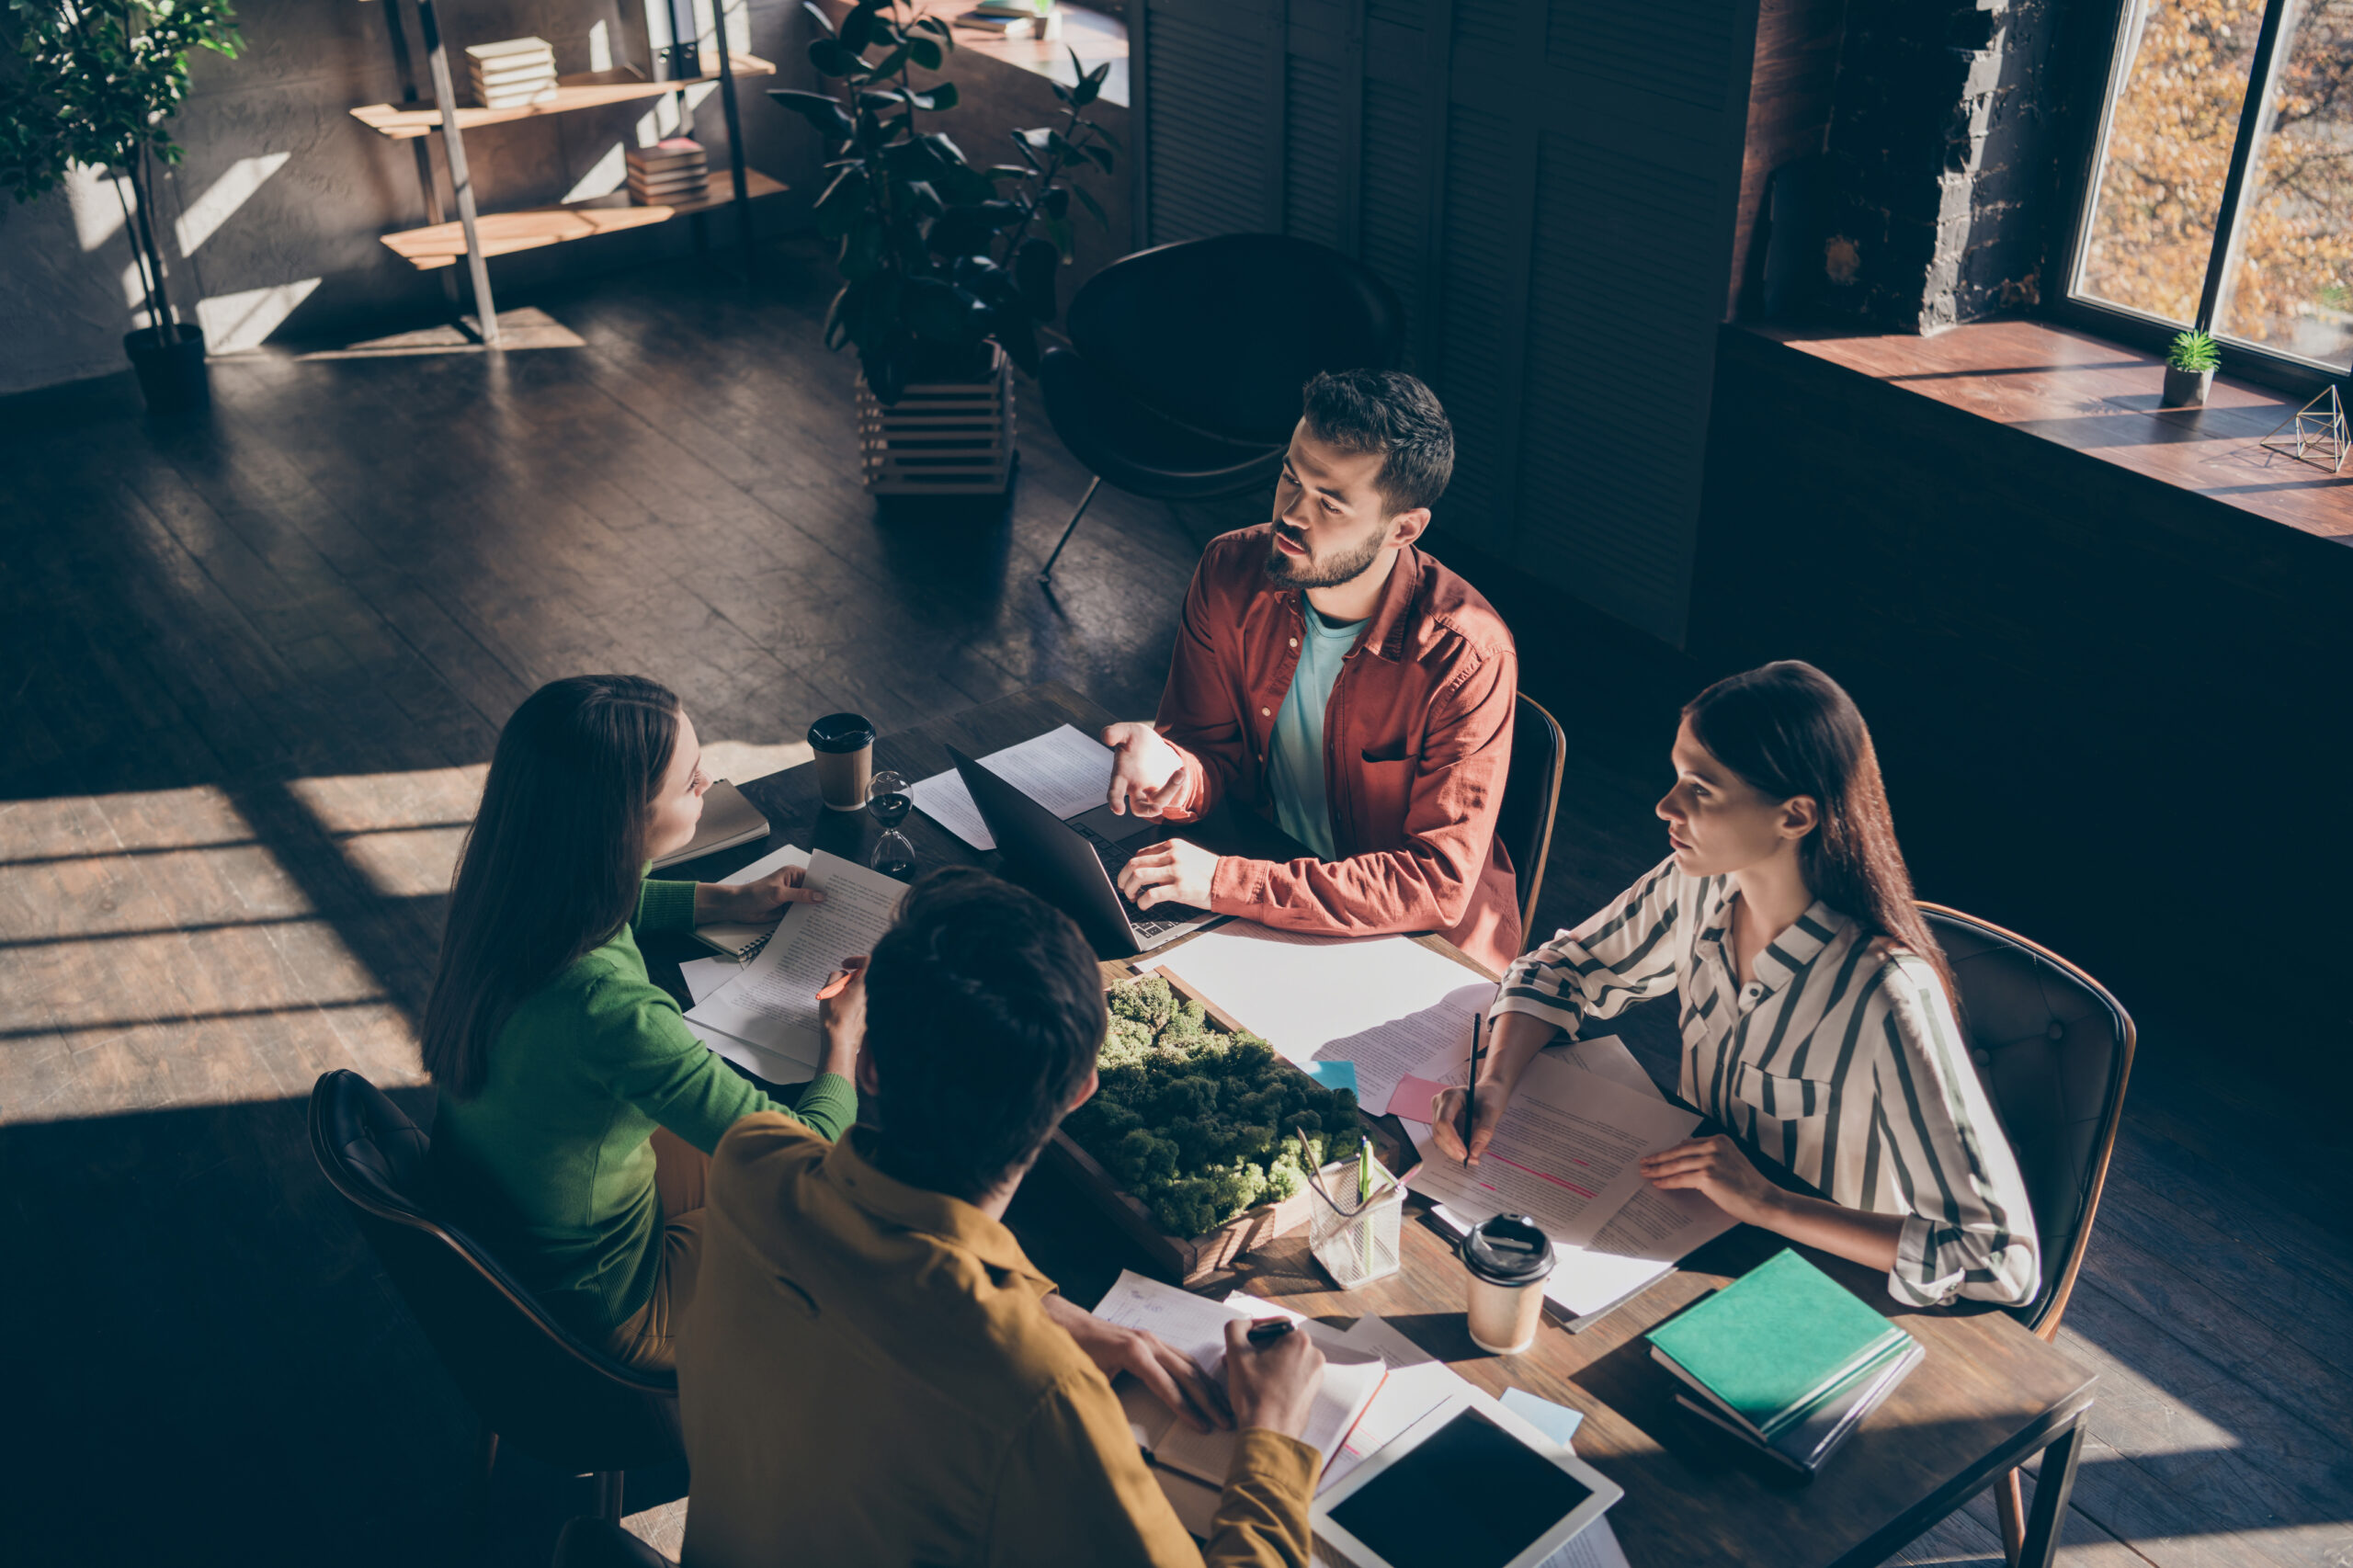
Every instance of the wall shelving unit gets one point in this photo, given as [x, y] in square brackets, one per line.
[474, 236]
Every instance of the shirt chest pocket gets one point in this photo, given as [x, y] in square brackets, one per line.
[1386, 780]
[1783, 1098]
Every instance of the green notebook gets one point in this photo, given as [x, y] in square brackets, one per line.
[1775, 1342]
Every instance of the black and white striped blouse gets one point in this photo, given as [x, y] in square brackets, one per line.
[1840, 1058]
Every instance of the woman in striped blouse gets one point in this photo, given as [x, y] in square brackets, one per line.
[1816, 1009]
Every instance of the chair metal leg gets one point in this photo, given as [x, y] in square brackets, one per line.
[1048, 569]
[608, 1495]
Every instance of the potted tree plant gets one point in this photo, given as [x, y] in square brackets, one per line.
[92, 81]
[947, 268]
[2189, 369]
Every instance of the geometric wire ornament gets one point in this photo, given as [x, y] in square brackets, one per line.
[2320, 431]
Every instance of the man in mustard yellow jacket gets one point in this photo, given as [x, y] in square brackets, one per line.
[872, 1371]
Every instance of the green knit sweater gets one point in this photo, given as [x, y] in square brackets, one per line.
[548, 1166]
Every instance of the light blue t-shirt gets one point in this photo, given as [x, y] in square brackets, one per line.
[1295, 759]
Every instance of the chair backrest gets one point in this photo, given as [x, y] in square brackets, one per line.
[1220, 334]
[2053, 1049]
[1532, 796]
[530, 1381]
[590, 1543]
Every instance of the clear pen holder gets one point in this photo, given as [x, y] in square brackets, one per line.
[1356, 1243]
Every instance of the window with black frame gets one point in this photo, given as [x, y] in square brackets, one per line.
[2221, 194]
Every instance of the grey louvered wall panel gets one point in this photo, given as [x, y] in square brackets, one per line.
[1313, 143]
[1477, 303]
[1209, 128]
[1618, 239]
[1486, 24]
[1395, 199]
[1679, 49]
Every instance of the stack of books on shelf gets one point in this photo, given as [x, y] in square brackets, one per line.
[668, 173]
[1786, 1359]
[509, 74]
[1014, 18]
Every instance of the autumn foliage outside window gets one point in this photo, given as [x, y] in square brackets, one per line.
[2156, 218]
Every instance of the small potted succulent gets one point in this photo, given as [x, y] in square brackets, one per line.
[2189, 369]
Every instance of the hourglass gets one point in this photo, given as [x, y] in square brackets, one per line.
[886, 798]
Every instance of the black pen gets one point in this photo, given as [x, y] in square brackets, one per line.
[1268, 1333]
[1470, 1093]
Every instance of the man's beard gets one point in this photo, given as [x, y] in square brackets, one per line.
[1285, 572]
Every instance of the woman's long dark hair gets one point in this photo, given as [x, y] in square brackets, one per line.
[1789, 730]
[553, 859]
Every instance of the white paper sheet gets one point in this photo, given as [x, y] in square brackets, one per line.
[775, 1066]
[772, 1001]
[1565, 1154]
[707, 975]
[1063, 770]
[1196, 1325]
[1300, 992]
[1386, 1051]
[1606, 1056]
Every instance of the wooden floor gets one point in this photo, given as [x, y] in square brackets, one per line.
[249, 670]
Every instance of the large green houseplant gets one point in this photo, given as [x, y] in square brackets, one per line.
[940, 257]
[92, 81]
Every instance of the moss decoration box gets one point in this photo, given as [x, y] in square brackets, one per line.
[1188, 1146]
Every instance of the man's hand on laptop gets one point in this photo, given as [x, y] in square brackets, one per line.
[1174, 1378]
[1146, 771]
[1172, 871]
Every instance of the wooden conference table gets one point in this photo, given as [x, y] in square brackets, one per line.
[1988, 1395]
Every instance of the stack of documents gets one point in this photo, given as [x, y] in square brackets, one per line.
[1412, 1383]
[511, 74]
[1567, 1154]
[1786, 1359]
[763, 1016]
[674, 170]
[1064, 771]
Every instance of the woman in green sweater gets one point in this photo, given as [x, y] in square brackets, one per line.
[577, 1113]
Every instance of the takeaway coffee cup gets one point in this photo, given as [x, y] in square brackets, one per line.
[1508, 1258]
[845, 747]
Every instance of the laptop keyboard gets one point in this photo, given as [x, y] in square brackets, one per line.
[1115, 855]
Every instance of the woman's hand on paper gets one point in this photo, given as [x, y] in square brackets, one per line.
[1174, 1378]
[1445, 1127]
[841, 1011]
[1717, 1170]
[1272, 1385]
[1172, 871]
[1146, 771]
[753, 901]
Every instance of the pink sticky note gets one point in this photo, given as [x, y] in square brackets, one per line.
[1413, 1096]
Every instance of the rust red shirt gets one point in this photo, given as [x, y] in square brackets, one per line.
[1416, 744]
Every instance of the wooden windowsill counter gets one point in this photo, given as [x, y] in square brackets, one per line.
[2077, 391]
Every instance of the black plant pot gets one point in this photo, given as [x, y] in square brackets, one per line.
[171, 375]
[2186, 389]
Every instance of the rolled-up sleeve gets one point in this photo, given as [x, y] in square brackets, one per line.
[1628, 953]
[1969, 1230]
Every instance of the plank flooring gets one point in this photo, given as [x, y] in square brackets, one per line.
[249, 669]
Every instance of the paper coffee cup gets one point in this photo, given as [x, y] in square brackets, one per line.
[1508, 1259]
[845, 747]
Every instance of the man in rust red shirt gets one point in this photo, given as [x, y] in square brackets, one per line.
[1338, 681]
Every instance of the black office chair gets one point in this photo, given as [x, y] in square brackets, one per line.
[1531, 797]
[1182, 380]
[599, 1543]
[530, 1381]
[2053, 1049]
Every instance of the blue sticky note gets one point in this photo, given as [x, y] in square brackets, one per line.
[1333, 1075]
[1557, 1422]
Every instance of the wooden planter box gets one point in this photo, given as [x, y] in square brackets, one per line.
[940, 437]
[1191, 1260]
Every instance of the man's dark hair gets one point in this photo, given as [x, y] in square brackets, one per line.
[983, 1016]
[1390, 413]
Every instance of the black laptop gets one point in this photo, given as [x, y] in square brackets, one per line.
[1075, 865]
